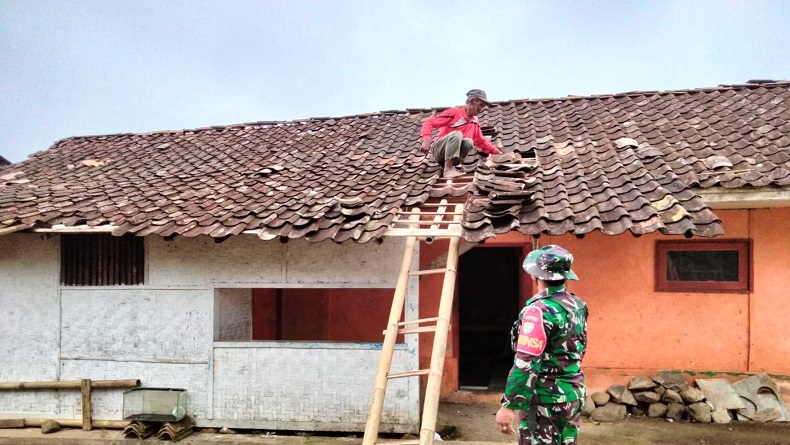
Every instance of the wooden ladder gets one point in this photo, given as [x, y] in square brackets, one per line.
[436, 228]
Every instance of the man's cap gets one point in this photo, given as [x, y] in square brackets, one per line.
[550, 263]
[477, 94]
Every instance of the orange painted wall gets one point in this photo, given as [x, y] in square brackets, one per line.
[359, 315]
[264, 314]
[305, 314]
[635, 330]
[770, 305]
[354, 315]
[632, 326]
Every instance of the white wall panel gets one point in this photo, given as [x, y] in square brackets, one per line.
[134, 324]
[29, 320]
[233, 314]
[347, 264]
[200, 261]
[307, 386]
[108, 404]
[247, 260]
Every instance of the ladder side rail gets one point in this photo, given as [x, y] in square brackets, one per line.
[440, 214]
[388, 346]
[432, 390]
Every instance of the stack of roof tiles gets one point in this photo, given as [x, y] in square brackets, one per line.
[614, 163]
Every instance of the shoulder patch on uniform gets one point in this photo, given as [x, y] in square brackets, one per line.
[532, 336]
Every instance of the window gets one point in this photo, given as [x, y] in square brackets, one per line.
[329, 314]
[101, 260]
[702, 266]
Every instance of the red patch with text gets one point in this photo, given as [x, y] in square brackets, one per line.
[532, 336]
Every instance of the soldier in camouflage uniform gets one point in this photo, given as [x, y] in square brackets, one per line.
[546, 383]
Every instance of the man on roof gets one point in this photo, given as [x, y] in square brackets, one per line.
[459, 131]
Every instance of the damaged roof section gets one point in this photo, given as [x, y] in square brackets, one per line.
[579, 191]
[614, 163]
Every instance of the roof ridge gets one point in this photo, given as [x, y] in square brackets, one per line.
[750, 84]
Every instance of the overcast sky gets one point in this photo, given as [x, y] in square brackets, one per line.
[73, 68]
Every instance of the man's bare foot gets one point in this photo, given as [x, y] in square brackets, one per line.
[451, 173]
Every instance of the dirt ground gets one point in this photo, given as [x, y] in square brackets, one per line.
[475, 422]
[462, 423]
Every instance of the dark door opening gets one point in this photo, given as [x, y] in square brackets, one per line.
[488, 304]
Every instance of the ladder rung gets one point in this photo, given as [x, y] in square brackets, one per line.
[398, 375]
[428, 271]
[418, 321]
[433, 204]
[464, 177]
[402, 231]
[400, 442]
[430, 213]
[423, 223]
[414, 330]
[434, 238]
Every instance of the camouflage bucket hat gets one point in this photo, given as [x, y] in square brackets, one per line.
[550, 263]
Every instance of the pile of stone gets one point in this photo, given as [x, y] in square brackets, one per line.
[668, 395]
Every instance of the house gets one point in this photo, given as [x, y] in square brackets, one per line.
[254, 264]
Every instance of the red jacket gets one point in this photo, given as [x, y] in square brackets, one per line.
[455, 119]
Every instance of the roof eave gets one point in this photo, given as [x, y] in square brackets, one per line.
[720, 198]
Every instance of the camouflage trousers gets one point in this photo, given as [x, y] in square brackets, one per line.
[550, 424]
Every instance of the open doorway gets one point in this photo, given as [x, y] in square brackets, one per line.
[488, 304]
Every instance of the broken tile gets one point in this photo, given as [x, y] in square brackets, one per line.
[720, 394]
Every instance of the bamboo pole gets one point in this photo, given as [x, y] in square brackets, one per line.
[431, 405]
[86, 404]
[388, 346]
[85, 386]
[77, 423]
[12, 423]
[70, 384]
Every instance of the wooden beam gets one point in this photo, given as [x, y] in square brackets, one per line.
[86, 404]
[77, 423]
[397, 375]
[418, 321]
[428, 271]
[71, 384]
[12, 229]
[75, 229]
[431, 213]
[423, 232]
[433, 222]
[415, 330]
[12, 423]
[745, 198]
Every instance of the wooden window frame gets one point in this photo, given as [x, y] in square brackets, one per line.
[743, 285]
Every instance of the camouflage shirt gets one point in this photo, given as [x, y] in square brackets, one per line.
[547, 366]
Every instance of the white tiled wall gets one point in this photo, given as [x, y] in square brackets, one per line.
[132, 324]
[162, 333]
[300, 385]
[247, 260]
[232, 314]
[108, 404]
[29, 320]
